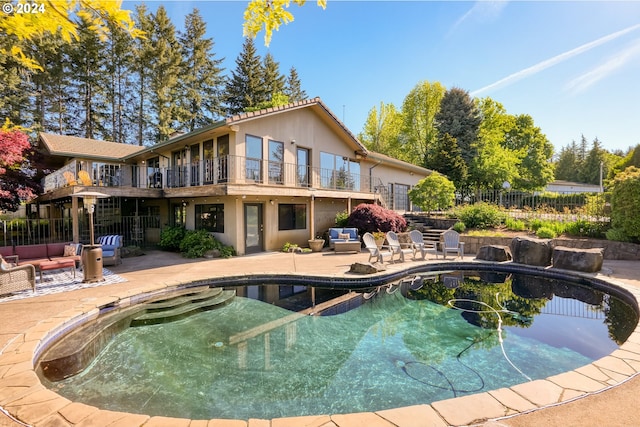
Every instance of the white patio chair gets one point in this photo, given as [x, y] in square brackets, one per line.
[452, 243]
[374, 251]
[418, 245]
[395, 247]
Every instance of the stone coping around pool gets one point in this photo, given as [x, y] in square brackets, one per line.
[23, 396]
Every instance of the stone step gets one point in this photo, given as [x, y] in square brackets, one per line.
[189, 298]
[184, 310]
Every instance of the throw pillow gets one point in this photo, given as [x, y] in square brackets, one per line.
[69, 250]
[345, 236]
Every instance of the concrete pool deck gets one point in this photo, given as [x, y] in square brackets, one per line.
[602, 393]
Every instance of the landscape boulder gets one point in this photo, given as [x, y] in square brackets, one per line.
[366, 268]
[531, 251]
[497, 253]
[587, 260]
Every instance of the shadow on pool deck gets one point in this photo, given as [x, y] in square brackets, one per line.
[614, 407]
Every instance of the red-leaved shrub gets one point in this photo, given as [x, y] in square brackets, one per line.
[367, 217]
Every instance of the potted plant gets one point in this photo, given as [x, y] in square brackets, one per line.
[316, 244]
[379, 237]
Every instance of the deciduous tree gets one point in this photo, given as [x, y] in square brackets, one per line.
[16, 179]
[432, 193]
[382, 129]
[269, 15]
[419, 132]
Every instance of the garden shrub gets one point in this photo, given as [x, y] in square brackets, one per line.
[625, 200]
[435, 192]
[459, 227]
[515, 224]
[546, 233]
[196, 243]
[481, 215]
[368, 217]
[342, 218]
[584, 228]
[170, 238]
[617, 235]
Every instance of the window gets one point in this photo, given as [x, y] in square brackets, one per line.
[210, 217]
[292, 216]
[339, 172]
[276, 162]
[253, 167]
[303, 167]
[401, 197]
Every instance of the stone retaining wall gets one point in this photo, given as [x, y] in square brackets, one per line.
[612, 250]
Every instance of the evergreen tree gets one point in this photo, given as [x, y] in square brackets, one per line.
[568, 165]
[120, 72]
[460, 118]
[88, 114]
[590, 170]
[52, 86]
[293, 87]
[272, 81]
[143, 52]
[14, 101]
[245, 87]
[448, 160]
[165, 67]
[201, 78]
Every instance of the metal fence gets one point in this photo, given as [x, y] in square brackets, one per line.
[141, 231]
[592, 207]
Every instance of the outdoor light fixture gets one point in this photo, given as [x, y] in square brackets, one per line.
[89, 199]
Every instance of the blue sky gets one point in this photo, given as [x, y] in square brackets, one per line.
[573, 66]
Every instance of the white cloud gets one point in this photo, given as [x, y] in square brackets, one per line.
[541, 66]
[482, 11]
[615, 62]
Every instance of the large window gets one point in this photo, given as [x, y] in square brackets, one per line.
[210, 217]
[292, 216]
[339, 172]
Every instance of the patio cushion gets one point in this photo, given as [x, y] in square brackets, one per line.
[334, 232]
[353, 233]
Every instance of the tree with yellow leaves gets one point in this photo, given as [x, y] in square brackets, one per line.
[30, 21]
[269, 14]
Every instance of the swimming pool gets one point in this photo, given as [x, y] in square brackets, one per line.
[254, 359]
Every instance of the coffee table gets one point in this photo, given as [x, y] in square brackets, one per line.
[351, 246]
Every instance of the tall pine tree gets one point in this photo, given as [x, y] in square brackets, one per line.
[201, 78]
[245, 88]
[165, 71]
[273, 81]
[293, 87]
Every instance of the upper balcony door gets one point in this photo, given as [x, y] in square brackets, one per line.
[178, 171]
[194, 170]
[303, 166]
[276, 162]
[253, 162]
[223, 158]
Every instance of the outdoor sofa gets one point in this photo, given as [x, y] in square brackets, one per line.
[346, 234]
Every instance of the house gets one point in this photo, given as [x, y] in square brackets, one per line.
[255, 180]
[568, 187]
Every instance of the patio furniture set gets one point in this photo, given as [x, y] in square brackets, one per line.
[19, 264]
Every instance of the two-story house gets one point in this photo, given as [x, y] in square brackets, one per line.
[255, 180]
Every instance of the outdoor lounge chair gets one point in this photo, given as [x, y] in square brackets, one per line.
[13, 279]
[85, 178]
[452, 243]
[375, 252]
[395, 247]
[419, 246]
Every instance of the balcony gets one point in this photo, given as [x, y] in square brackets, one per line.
[217, 171]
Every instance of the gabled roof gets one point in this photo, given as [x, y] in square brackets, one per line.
[73, 146]
[314, 102]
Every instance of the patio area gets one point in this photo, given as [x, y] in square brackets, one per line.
[605, 393]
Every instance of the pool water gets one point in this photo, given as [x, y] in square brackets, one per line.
[252, 359]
